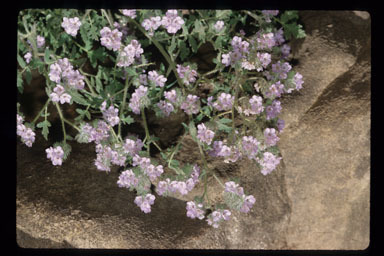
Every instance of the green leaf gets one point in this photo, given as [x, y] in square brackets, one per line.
[28, 75]
[19, 82]
[288, 16]
[21, 61]
[223, 14]
[225, 120]
[192, 43]
[192, 130]
[46, 55]
[78, 98]
[223, 127]
[172, 46]
[99, 85]
[44, 124]
[98, 54]
[184, 51]
[127, 120]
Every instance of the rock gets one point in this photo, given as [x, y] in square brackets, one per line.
[318, 197]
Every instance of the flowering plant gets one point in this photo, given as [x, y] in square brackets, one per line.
[118, 67]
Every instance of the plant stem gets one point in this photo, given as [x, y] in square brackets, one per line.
[107, 16]
[206, 171]
[147, 136]
[41, 111]
[62, 121]
[214, 175]
[122, 106]
[71, 124]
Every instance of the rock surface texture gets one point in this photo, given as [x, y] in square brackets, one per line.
[318, 198]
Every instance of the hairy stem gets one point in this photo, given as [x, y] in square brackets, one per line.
[122, 106]
[62, 121]
[41, 111]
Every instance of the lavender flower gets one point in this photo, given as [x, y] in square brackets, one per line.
[132, 147]
[285, 50]
[172, 22]
[55, 155]
[268, 14]
[127, 179]
[195, 210]
[165, 107]
[279, 36]
[275, 90]
[269, 162]
[111, 38]
[100, 133]
[40, 41]
[224, 102]
[298, 80]
[158, 80]
[218, 216]
[145, 202]
[111, 115]
[138, 99]
[28, 57]
[264, 58]
[151, 24]
[59, 95]
[265, 41]
[129, 13]
[204, 134]
[281, 69]
[250, 146]
[280, 125]
[273, 110]
[187, 74]
[26, 134]
[191, 104]
[219, 25]
[249, 201]
[270, 137]
[171, 96]
[71, 25]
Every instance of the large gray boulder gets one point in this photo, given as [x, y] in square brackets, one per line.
[318, 198]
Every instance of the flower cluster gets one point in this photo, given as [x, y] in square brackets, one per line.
[59, 95]
[165, 107]
[145, 202]
[219, 25]
[111, 114]
[129, 53]
[156, 79]
[129, 13]
[273, 110]
[218, 216]
[191, 105]
[172, 22]
[26, 134]
[240, 49]
[269, 162]
[236, 199]
[255, 106]
[138, 99]
[250, 146]
[204, 135]
[183, 187]
[224, 102]
[55, 155]
[40, 41]
[132, 147]
[71, 25]
[28, 57]
[127, 179]
[171, 96]
[105, 156]
[111, 38]
[268, 14]
[195, 210]
[187, 74]
[62, 72]
[151, 24]
[149, 169]
[270, 137]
